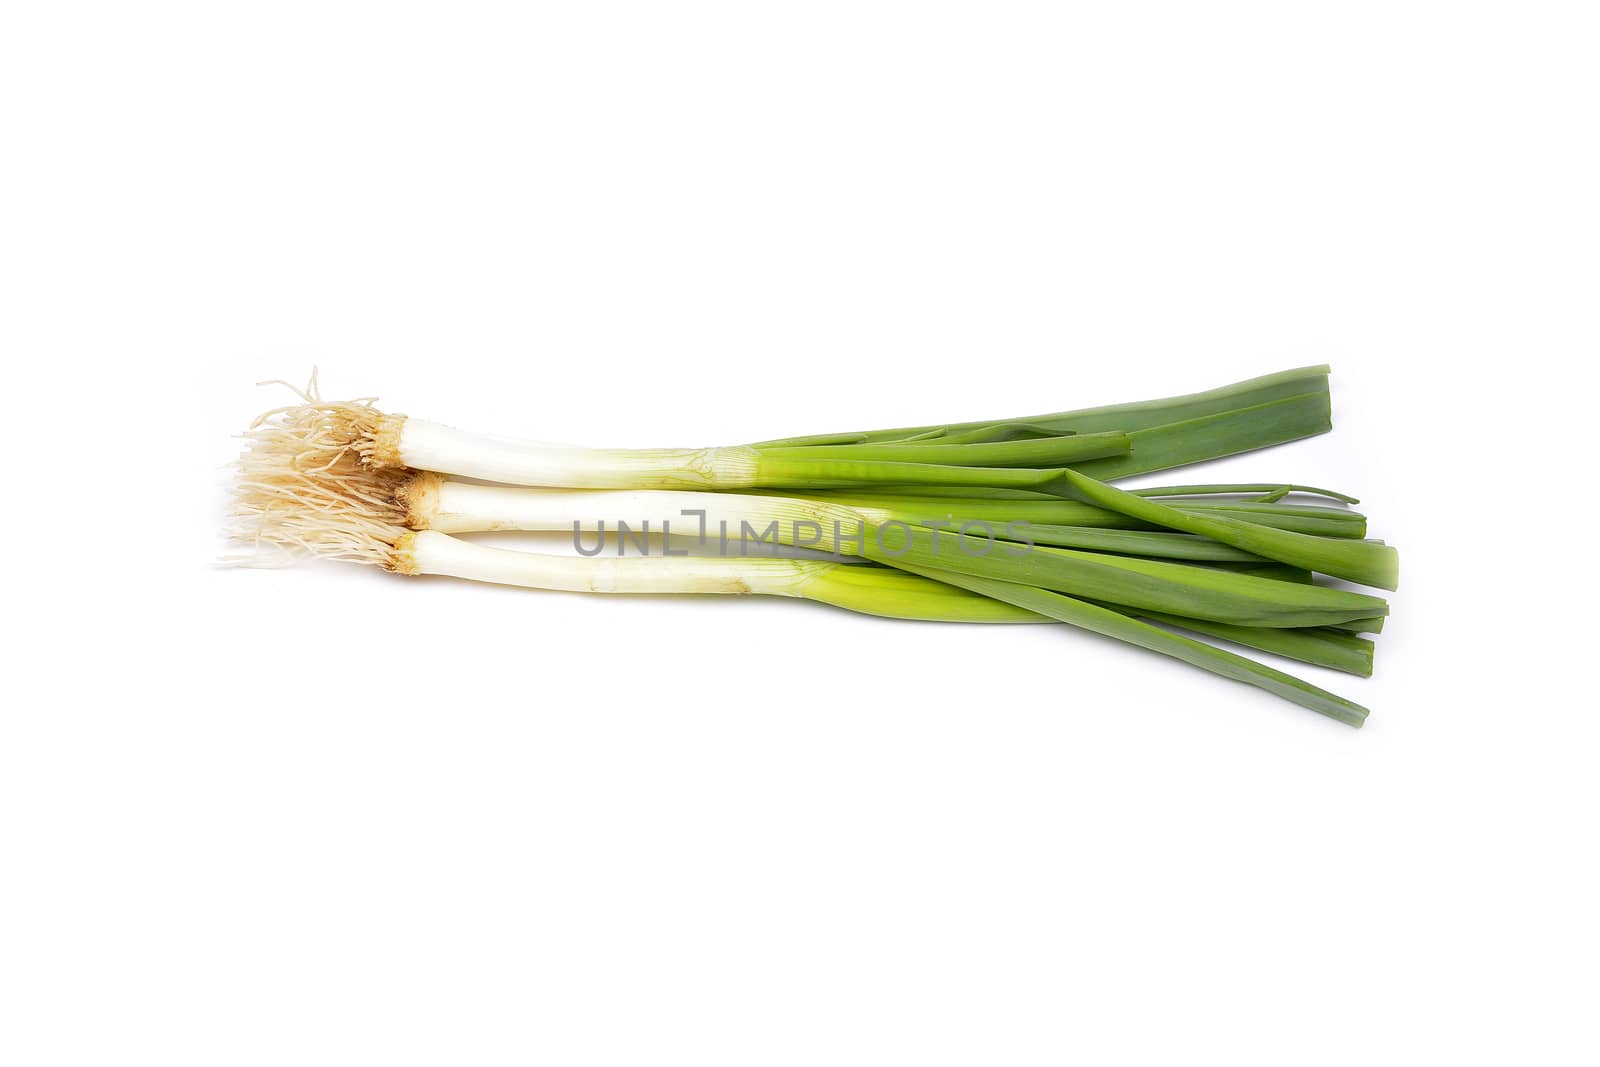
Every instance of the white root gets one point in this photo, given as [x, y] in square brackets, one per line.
[306, 486]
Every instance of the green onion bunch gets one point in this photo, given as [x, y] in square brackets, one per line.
[1011, 520]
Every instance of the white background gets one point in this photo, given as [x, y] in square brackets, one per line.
[328, 816]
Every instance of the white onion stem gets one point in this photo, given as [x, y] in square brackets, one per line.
[458, 507]
[430, 446]
[436, 553]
